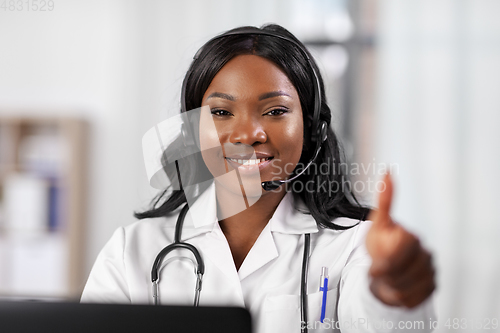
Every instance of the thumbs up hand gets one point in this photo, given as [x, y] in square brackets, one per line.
[401, 273]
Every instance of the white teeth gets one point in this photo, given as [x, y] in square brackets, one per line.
[248, 162]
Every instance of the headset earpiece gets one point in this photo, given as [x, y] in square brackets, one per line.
[322, 131]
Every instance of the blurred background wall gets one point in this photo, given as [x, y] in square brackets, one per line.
[437, 117]
[412, 84]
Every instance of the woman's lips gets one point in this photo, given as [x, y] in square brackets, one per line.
[250, 165]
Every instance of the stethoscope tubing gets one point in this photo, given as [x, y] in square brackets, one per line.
[303, 283]
[177, 244]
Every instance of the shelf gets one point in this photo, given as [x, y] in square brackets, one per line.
[42, 207]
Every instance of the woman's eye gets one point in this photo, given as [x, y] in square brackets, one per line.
[277, 112]
[219, 112]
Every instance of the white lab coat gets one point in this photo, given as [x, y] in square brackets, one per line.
[268, 281]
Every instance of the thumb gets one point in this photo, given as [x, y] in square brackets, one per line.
[385, 200]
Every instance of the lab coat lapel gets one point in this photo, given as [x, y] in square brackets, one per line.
[201, 224]
[263, 251]
[216, 249]
[286, 219]
[201, 216]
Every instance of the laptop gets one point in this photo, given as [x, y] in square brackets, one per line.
[41, 317]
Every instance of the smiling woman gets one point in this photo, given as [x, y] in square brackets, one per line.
[292, 72]
[262, 105]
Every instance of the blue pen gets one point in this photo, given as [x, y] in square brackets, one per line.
[323, 286]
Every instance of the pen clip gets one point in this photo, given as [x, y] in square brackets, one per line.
[323, 276]
[323, 286]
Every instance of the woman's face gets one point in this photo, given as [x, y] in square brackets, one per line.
[258, 118]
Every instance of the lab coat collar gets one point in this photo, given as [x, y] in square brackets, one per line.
[291, 216]
[202, 215]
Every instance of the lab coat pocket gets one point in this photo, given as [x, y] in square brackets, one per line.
[282, 313]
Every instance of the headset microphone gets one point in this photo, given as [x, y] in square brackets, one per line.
[274, 184]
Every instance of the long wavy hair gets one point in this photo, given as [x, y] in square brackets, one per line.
[325, 203]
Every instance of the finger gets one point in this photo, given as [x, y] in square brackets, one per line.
[385, 292]
[404, 255]
[409, 297]
[405, 250]
[379, 267]
[385, 199]
[419, 292]
[420, 267]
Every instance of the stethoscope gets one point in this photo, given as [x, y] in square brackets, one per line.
[200, 266]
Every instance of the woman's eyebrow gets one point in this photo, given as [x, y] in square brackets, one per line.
[273, 94]
[261, 97]
[221, 95]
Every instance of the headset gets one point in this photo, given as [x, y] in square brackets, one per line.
[318, 136]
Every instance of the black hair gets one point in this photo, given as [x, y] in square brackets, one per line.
[325, 203]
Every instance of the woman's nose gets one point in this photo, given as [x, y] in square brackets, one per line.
[247, 132]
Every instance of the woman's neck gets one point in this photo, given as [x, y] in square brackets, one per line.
[242, 223]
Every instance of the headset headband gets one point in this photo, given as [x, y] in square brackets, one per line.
[318, 132]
